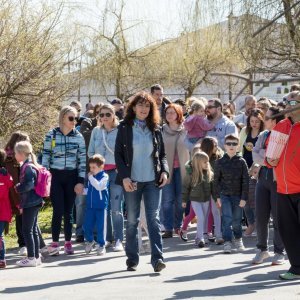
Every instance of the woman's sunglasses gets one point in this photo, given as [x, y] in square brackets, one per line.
[72, 119]
[108, 115]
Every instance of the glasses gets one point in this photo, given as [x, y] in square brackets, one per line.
[231, 144]
[108, 115]
[292, 102]
[72, 119]
[210, 106]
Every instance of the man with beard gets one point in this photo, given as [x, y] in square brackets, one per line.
[250, 103]
[223, 126]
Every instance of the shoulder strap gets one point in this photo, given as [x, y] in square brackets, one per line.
[105, 143]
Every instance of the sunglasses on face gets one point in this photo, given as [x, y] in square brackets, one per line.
[292, 102]
[231, 143]
[72, 119]
[102, 115]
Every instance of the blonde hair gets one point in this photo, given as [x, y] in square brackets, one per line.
[254, 165]
[111, 108]
[66, 109]
[25, 148]
[198, 172]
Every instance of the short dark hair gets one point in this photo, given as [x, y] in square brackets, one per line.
[2, 158]
[156, 87]
[217, 103]
[97, 159]
[295, 87]
[277, 110]
[180, 102]
[231, 137]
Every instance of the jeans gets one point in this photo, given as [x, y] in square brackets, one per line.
[266, 204]
[2, 243]
[232, 215]
[63, 198]
[80, 202]
[30, 230]
[19, 231]
[171, 202]
[116, 208]
[216, 217]
[152, 197]
[201, 210]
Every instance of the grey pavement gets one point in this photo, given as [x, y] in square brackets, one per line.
[191, 273]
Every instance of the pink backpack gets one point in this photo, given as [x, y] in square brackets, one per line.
[43, 182]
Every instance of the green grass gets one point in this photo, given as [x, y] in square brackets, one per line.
[44, 221]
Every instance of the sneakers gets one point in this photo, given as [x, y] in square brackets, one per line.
[44, 251]
[159, 266]
[53, 249]
[23, 251]
[131, 266]
[68, 248]
[167, 235]
[183, 235]
[219, 241]
[89, 247]
[100, 250]
[238, 243]
[108, 244]
[118, 246]
[39, 261]
[227, 247]
[260, 257]
[201, 243]
[278, 259]
[26, 262]
[211, 237]
[177, 231]
[289, 276]
[2, 264]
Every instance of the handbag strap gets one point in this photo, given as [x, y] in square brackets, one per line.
[105, 142]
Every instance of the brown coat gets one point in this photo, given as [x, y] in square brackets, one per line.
[13, 168]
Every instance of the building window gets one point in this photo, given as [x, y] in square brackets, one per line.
[266, 84]
[278, 90]
[284, 83]
[286, 90]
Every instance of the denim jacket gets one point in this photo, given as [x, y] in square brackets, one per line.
[25, 188]
[97, 145]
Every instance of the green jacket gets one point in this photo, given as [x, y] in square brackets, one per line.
[202, 192]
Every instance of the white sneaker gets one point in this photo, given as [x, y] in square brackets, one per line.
[108, 244]
[100, 250]
[89, 247]
[39, 261]
[278, 259]
[44, 251]
[26, 262]
[227, 247]
[118, 246]
[260, 257]
[238, 243]
[23, 251]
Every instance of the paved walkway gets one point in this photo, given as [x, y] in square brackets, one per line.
[191, 273]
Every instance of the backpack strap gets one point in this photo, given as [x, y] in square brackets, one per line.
[24, 167]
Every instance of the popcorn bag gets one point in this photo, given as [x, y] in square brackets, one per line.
[277, 142]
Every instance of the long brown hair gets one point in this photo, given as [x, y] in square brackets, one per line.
[257, 113]
[17, 136]
[153, 118]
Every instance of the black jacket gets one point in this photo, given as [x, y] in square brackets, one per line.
[231, 177]
[124, 153]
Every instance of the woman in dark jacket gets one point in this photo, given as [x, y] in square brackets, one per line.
[142, 170]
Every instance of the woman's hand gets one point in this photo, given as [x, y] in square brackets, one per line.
[163, 179]
[242, 203]
[78, 189]
[219, 203]
[272, 162]
[128, 185]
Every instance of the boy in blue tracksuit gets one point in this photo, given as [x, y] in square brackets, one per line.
[96, 205]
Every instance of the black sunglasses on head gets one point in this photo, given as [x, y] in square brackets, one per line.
[72, 119]
[231, 143]
[106, 115]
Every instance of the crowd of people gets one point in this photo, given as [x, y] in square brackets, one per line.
[177, 160]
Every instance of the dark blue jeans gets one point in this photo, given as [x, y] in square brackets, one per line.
[172, 203]
[30, 230]
[2, 243]
[232, 215]
[152, 197]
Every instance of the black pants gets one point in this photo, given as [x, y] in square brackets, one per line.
[266, 204]
[19, 231]
[289, 228]
[30, 230]
[63, 199]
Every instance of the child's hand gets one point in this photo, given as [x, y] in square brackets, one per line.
[242, 203]
[183, 205]
[219, 203]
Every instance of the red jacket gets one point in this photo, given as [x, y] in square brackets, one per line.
[288, 168]
[6, 183]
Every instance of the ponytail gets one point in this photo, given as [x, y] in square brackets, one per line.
[34, 160]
